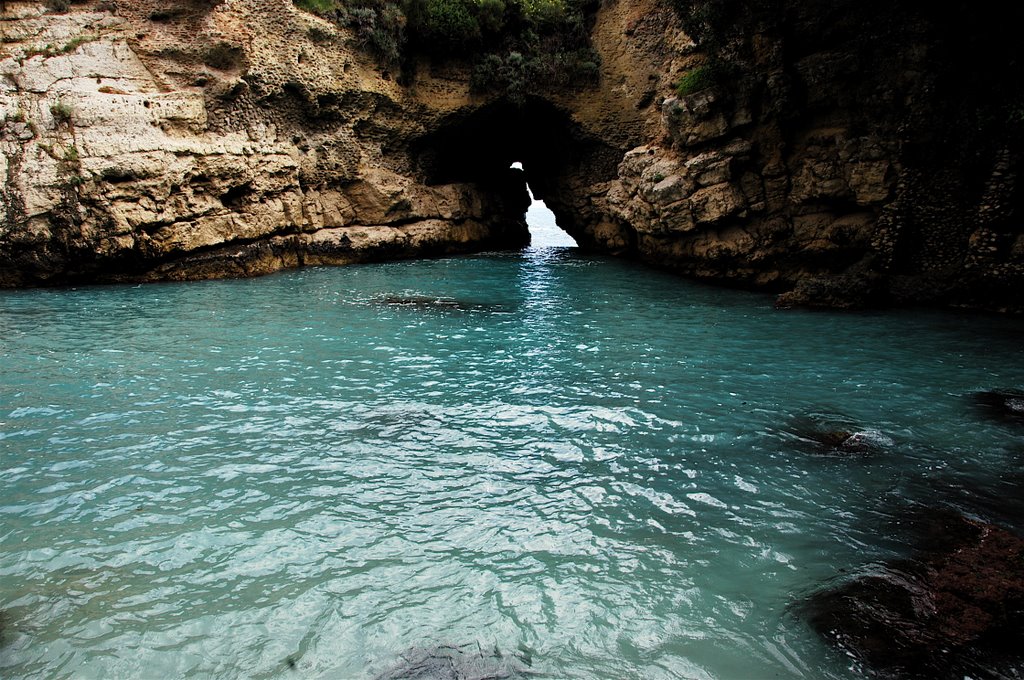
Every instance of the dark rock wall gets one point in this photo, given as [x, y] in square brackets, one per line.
[842, 153]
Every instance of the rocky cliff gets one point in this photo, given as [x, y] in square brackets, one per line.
[822, 151]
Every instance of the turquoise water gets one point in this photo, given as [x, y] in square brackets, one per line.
[578, 462]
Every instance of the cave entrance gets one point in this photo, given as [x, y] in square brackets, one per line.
[543, 225]
[531, 155]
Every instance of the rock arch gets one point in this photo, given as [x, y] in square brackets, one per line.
[560, 159]
[240, 138]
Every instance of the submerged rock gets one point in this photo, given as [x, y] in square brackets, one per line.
[426, 302]
[998, 499]
[832, 434]
[456, 662]
[417, 301]
[1001, 404]
[958, 603]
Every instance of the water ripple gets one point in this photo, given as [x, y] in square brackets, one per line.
[582, 464]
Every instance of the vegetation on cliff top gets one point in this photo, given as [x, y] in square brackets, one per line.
[510, 43]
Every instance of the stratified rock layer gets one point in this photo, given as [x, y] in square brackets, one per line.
[239, 137]
[202, 146]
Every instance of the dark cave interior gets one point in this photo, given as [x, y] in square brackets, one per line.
[480, 146]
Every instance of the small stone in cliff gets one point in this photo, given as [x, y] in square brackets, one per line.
[1001, 404]
[669, 190]
[709, 168]
[960, 601]
[694, 119]
[635, 161]
[715, 203]
[870, 181]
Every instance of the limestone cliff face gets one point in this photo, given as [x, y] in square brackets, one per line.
[221, 139]
[243, 136]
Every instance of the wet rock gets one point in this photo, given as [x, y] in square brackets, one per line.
[456, 662]
[847, 291]
[832, 434]
[1001, 404]
[957, 605]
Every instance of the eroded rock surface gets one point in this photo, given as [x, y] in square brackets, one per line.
[189, 147]
[239, 137]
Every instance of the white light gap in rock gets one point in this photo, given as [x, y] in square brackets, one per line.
[544, 231]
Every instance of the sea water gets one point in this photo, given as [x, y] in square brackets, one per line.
[578, 466]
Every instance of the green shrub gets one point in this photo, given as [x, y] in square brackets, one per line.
[550, 12]
[380, 30]
[511, 44]
[700, 78]
[514, 73]
[320, 35]
[316, 6]
[589, 70]
[62, 113]
[491, 15]
[448, 25]
[76, 42]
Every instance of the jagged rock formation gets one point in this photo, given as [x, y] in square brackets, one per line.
[243, 136]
